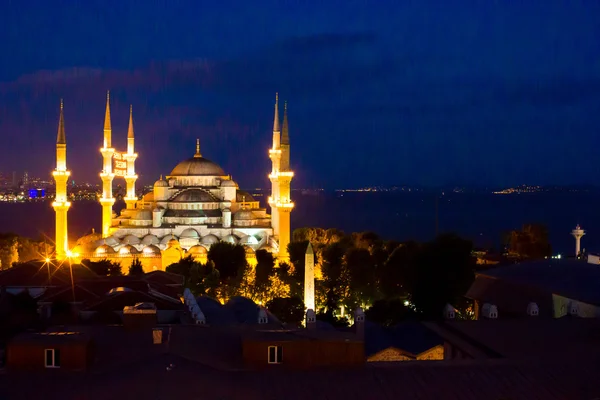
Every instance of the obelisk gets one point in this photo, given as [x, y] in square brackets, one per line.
[309, 278]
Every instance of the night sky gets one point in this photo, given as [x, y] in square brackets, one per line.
[380, 93]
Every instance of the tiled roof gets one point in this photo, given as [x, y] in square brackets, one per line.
[119, 300]
[576, 279]
[167, 375]
[412, 337]
[163, 277]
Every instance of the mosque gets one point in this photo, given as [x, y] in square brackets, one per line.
[193, 207]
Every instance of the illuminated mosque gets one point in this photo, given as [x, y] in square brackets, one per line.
[193, 207]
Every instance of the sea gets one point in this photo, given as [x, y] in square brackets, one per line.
[483, 218]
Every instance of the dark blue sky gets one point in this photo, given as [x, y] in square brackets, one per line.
[416, 92]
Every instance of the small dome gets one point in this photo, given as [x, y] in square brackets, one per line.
[111, 241]
[151, 250]
[249, 240]
[209, 239]
[230, 239]
[128, 249]
[131, 239]
[173, 243]
[161, 183]
[194, 196]
[166, 239]
[243, 215]
[197, 166]
[104, 249]
[143, 215]
[228, 183]
[189, 233]
[197, 250]
[150, 239]
[243, 196]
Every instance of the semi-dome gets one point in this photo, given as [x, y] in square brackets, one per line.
[194, 195]
[197, 166]
[248, 240]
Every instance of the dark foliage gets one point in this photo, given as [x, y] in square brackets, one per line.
[287, 309]
[104, 267]
[136, 267]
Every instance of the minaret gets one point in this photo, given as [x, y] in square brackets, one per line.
[61, 204]
[284, 204]
[107, 175]
[309, 278]
[275, 156]
[130, 157]
[577, 234]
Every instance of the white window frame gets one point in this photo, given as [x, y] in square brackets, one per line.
[53, 359]
[278, 355]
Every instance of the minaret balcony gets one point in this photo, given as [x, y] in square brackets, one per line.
[60, 172]
[107, 201]
[274, 151]
[108, 175]
[107, 150]
[61, 204]
[285, 206]
[130, 157]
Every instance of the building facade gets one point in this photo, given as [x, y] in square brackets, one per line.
[191, 208]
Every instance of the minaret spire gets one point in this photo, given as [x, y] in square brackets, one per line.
[198, 154]
[285, 135]
[61, 138]
[130, 130]
[276, 118]
[107, 126]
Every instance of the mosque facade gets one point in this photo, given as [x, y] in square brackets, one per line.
[191, 208]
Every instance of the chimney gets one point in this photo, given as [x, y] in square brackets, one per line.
[489, 311]
[359, 323]
[311, 319]
[533, 310]
[449, 312]
[262, 316]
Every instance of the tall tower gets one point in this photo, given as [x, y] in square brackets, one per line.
[309, 278]
[130, 157]
[61, 204]
[577, 234]
[281, 177]
[107, 175]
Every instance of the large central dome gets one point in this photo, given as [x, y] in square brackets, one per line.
[197, 166]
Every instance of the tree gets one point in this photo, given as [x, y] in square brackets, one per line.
[361, 277]
[183, 267]
[397, 275]
[389, 312]
[104, 267]
[444, 273]
[136, 267]
[229, 259]
[530, 243]
[287, 309]
[265, 265]
[334, 279]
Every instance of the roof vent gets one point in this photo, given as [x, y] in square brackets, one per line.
[533, 310]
